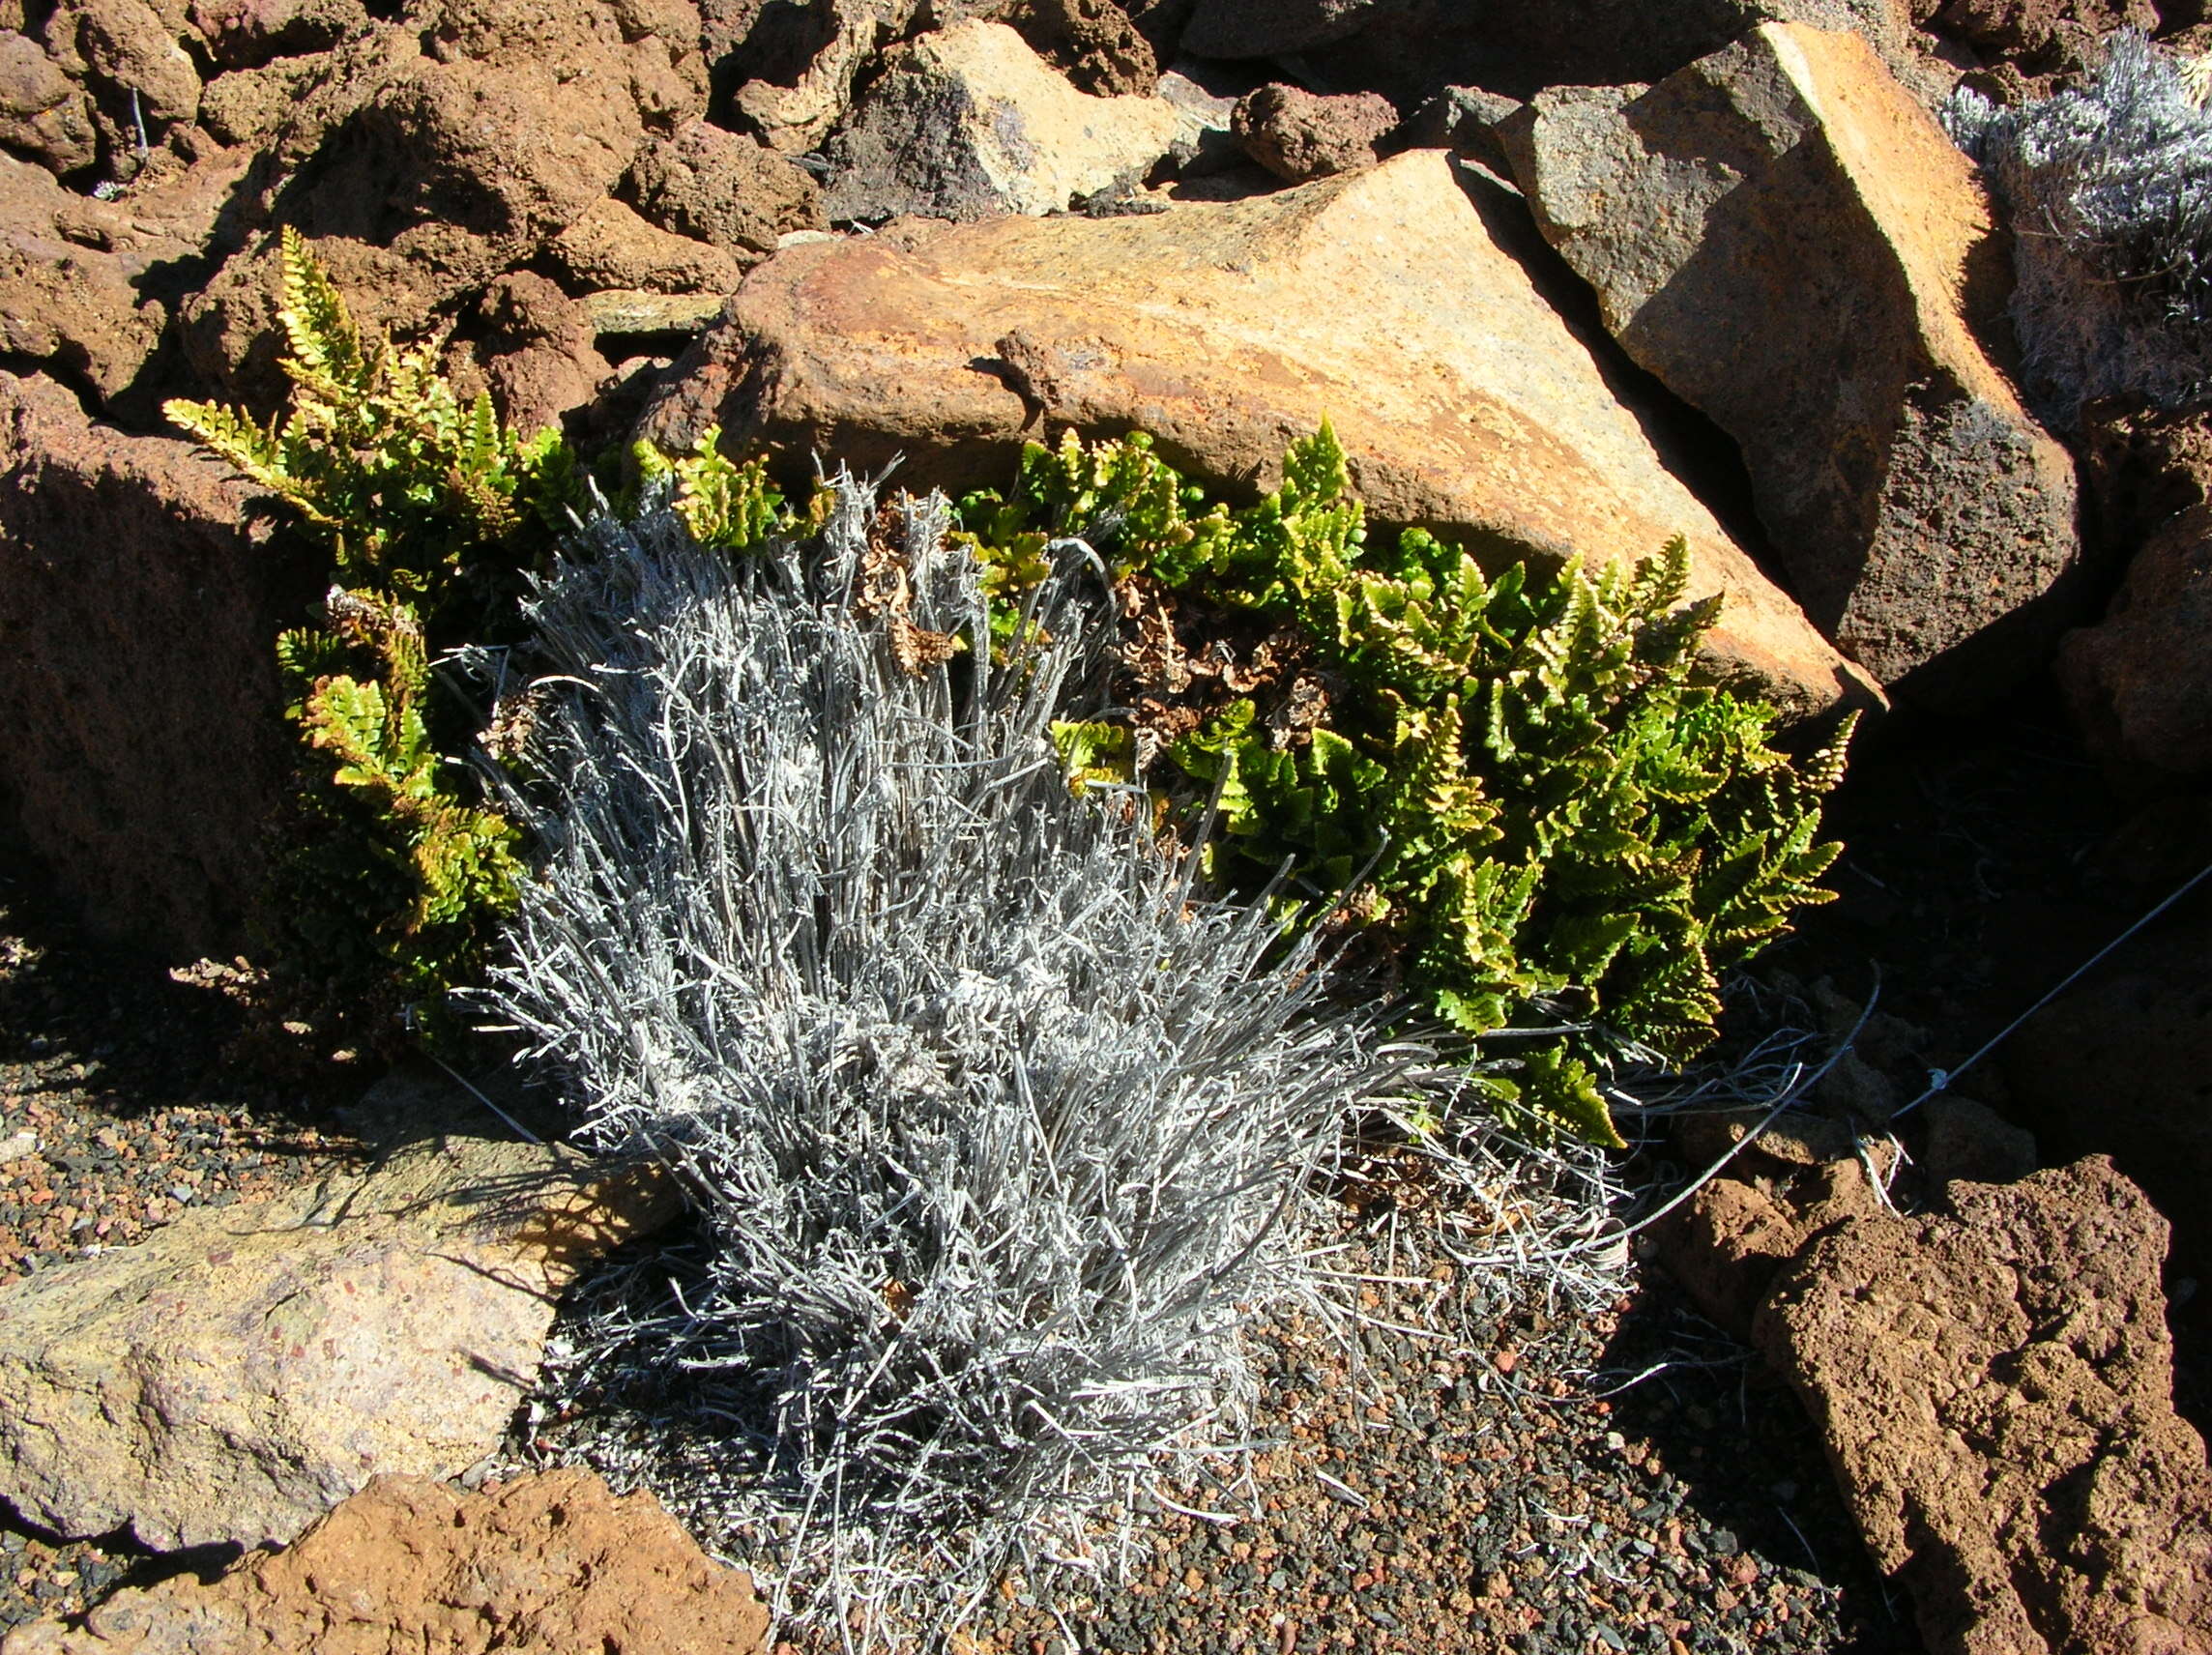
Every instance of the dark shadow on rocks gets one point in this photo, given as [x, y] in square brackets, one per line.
[1744, 1472]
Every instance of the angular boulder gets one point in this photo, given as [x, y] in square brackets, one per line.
[246, 1368]
[551, 1562]
[1994, 1386]
[138, 678]
[969, 123]
[1397, 302]
[1783, 237]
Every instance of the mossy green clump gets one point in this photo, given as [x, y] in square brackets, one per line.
[1515, 779]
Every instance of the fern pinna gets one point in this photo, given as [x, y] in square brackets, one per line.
[427, 508]
[1565, 837]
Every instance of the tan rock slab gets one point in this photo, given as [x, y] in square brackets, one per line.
[1394, 302]
[246, 1368]
[1784, 236]
[617, 310]
[550, 1562]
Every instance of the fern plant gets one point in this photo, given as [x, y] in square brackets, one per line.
[1513, 779]
[427, 508]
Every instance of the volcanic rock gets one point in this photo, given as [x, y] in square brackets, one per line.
[64, 296]
[1994, 1386]
[794, 112]
[2140, 681]
[44, 116]
[245, 33]
[138, 602]
[551, 1562]
[245, 1369]
[1783, 237]
[2122, 1065]
[1464, 402]
[129, 52]
[1090, 41]
[541, 363]
[627, 312]
[969, 123]
[725, 190]
[1297, 136]
[612, 246]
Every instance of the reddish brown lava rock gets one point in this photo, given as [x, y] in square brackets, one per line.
[553, 1561]
[1298, 135]
[136, 680]
[1995, 1388]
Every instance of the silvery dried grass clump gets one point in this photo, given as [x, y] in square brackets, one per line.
[992, 1127]
[2107, 188]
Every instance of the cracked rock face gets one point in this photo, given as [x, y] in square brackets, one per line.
[1783, 235]
[1995, 1385]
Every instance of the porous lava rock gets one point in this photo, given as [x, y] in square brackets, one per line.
[2139, 682]
[541, 363]
[797, 101]
[1787, 241]
[1464, 400]
[2027, 49]
[969, 123]
[137, 601]
[128, 55]
[552, 1562]
[1298, 135]
[242, 1370]
[726, 191]
[86, 286]
[611, 246]
[246, 34]
[44, 116]
[1995, 1387]
[1092, 42]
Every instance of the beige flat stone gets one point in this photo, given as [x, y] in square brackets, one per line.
[245, 1369]
[1395, 302]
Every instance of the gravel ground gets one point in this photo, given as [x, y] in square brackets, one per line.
[116, 1114]
[1468, 1470]
[1492, 1487]
[1442, 1495]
